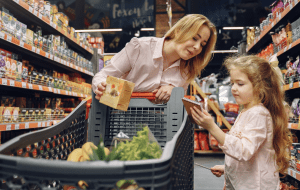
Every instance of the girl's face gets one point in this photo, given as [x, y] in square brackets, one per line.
[242, 88]
[193, 46]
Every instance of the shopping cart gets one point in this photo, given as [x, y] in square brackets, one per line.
[37, 160]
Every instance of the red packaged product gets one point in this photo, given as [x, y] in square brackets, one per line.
[196, 141]
[203, 140]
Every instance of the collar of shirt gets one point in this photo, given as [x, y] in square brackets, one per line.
[158, 52]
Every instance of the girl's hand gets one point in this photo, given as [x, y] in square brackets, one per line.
[163, 94]
[218, 170]
[202, 118]
[100, 89]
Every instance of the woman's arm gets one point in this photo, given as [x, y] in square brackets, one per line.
[120, 64]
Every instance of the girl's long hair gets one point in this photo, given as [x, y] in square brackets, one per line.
[267, 87]
[185, 29]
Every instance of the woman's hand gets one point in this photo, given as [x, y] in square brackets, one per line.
[202, 118]
[100, 89]
[163, 94]
[218, 170]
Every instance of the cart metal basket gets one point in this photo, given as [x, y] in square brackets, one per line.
[37, 160]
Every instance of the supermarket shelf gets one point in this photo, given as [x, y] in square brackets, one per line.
[211, 105]
[286, 49]
[294, 126]
[24, 125]
[291, 86]
[293, 173]
[20, 46]
[290, 11]
[208, 152]
[13, 83]
[24, 13]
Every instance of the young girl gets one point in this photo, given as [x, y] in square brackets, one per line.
[160, 64]
[257, 146]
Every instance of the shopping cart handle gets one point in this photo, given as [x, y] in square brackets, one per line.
[151, 96]
[148, 95]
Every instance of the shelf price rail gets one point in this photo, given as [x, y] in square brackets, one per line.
[40, 52]
[13, 83]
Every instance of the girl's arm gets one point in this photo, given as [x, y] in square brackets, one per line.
[245, 142]
[205, 120]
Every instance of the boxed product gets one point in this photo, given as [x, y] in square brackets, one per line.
[2, 66]
[13, 21]
[47, 114]
[13, 67]
[1, 114]
[47, 9]
[18, 32]
[7, 114]
[15, 114]
[23, 31]
[35, 40]
[29, 36]
[6, 21]
[19, 71]
[40, 42]
[117, 93]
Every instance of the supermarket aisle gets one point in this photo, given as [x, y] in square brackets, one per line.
[203, 178]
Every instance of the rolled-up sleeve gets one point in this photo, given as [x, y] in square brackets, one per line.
[120, 64]
[244, 143]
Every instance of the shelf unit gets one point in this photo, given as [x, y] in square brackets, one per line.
[22, 48]
[291, 12]
[25, 14]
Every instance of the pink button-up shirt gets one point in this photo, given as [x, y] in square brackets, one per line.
[249, 153]
[141, 62]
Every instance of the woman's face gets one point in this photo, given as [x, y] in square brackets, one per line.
[194, 46]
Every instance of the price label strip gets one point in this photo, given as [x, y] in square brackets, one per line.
[8, 127]
[4, 81]
[11, 83]
[26, 125]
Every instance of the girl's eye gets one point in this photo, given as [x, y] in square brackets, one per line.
[195, 39]
[240, 84]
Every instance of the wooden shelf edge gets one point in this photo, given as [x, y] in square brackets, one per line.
[212, 106]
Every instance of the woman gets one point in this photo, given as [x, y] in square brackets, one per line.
[159, 64]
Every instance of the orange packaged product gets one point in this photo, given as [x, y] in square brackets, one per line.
[196, 141]
[203, 141]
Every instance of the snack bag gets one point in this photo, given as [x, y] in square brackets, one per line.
[196, 141]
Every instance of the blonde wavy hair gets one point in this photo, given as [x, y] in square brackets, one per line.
[267, 87]
[185, 29]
